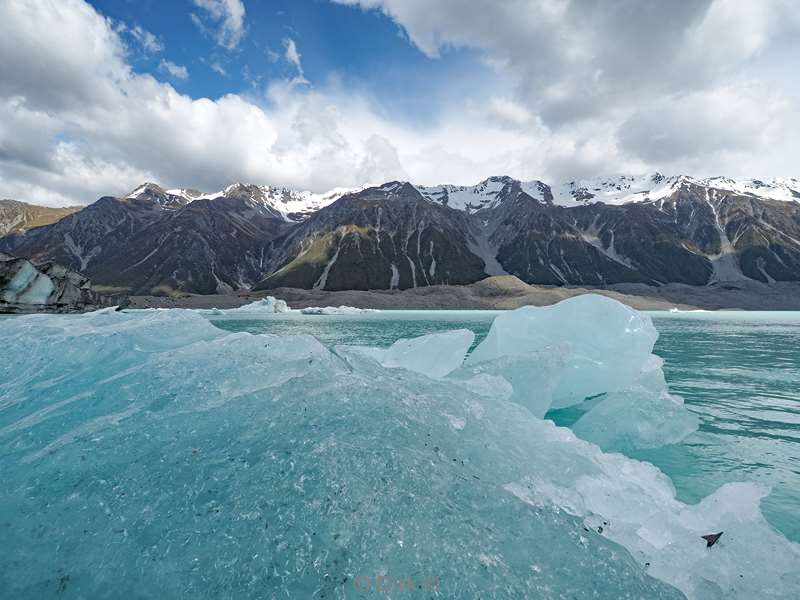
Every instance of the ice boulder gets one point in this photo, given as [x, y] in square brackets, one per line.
[643, 415]
[604, 344]
[267, 305]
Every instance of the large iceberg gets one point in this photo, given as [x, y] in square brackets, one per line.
[268, 305]
[587, 347]
[153, 455]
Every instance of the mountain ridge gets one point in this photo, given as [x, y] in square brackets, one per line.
[651, 229]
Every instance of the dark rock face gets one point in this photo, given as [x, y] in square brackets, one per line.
[154, 240]
[592, 244]
[695, 232]
[380, 238]
[28, 287]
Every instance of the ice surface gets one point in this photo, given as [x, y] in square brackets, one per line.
[152, 455]
[586, 347]
[434, 355]
[644, 415]
[605, 344]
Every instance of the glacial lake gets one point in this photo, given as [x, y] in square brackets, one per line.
[738, 371]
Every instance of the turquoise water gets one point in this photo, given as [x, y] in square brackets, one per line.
[738, 371]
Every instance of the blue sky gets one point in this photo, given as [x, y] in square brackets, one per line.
[364, 50]
[98, 96]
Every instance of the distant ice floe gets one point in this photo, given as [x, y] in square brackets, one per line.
[271, 465]
[336, 310]
[271, 305]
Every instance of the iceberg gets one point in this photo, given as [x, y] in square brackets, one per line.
[337, 310]
[159, 456]
[605, 344]
[587, 348]
[269, 304]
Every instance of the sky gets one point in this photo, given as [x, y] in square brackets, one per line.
[97, 97]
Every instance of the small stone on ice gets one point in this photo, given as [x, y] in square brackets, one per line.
[712, 538]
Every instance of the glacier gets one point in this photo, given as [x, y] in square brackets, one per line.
[151, 454]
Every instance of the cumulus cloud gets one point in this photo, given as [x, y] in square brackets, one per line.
[77, 122]
[608, 62]
[176, 71]
[225, 18]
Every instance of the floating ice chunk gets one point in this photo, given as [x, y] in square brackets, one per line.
[644, 415]
[269, 304]
[608, 343]
[434, 355]
[590, 345]
[636, 418]
[337, 310]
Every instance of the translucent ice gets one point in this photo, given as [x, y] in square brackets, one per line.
[434, 355]
[153, 455]
[605, 344]
[584, 347]
[269, 304]
[644, 415]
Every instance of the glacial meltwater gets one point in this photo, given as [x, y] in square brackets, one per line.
[234, 454]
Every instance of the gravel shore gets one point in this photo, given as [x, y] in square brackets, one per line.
[507, 292]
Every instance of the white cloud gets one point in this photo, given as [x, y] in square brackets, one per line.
[292, 56]
[176, 71]
[148, 41]
[227, 16]
[509, 112]
[76, 122]
[218, 68]
[620, 65]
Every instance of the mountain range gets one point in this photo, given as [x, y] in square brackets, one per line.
[649, 229]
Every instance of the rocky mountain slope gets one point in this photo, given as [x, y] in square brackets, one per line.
[385, 237]
[16, 217]
[618, 230]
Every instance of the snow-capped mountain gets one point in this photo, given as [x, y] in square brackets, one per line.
[291, 205]
[646, 229]
[624, 189]
[489, 193]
